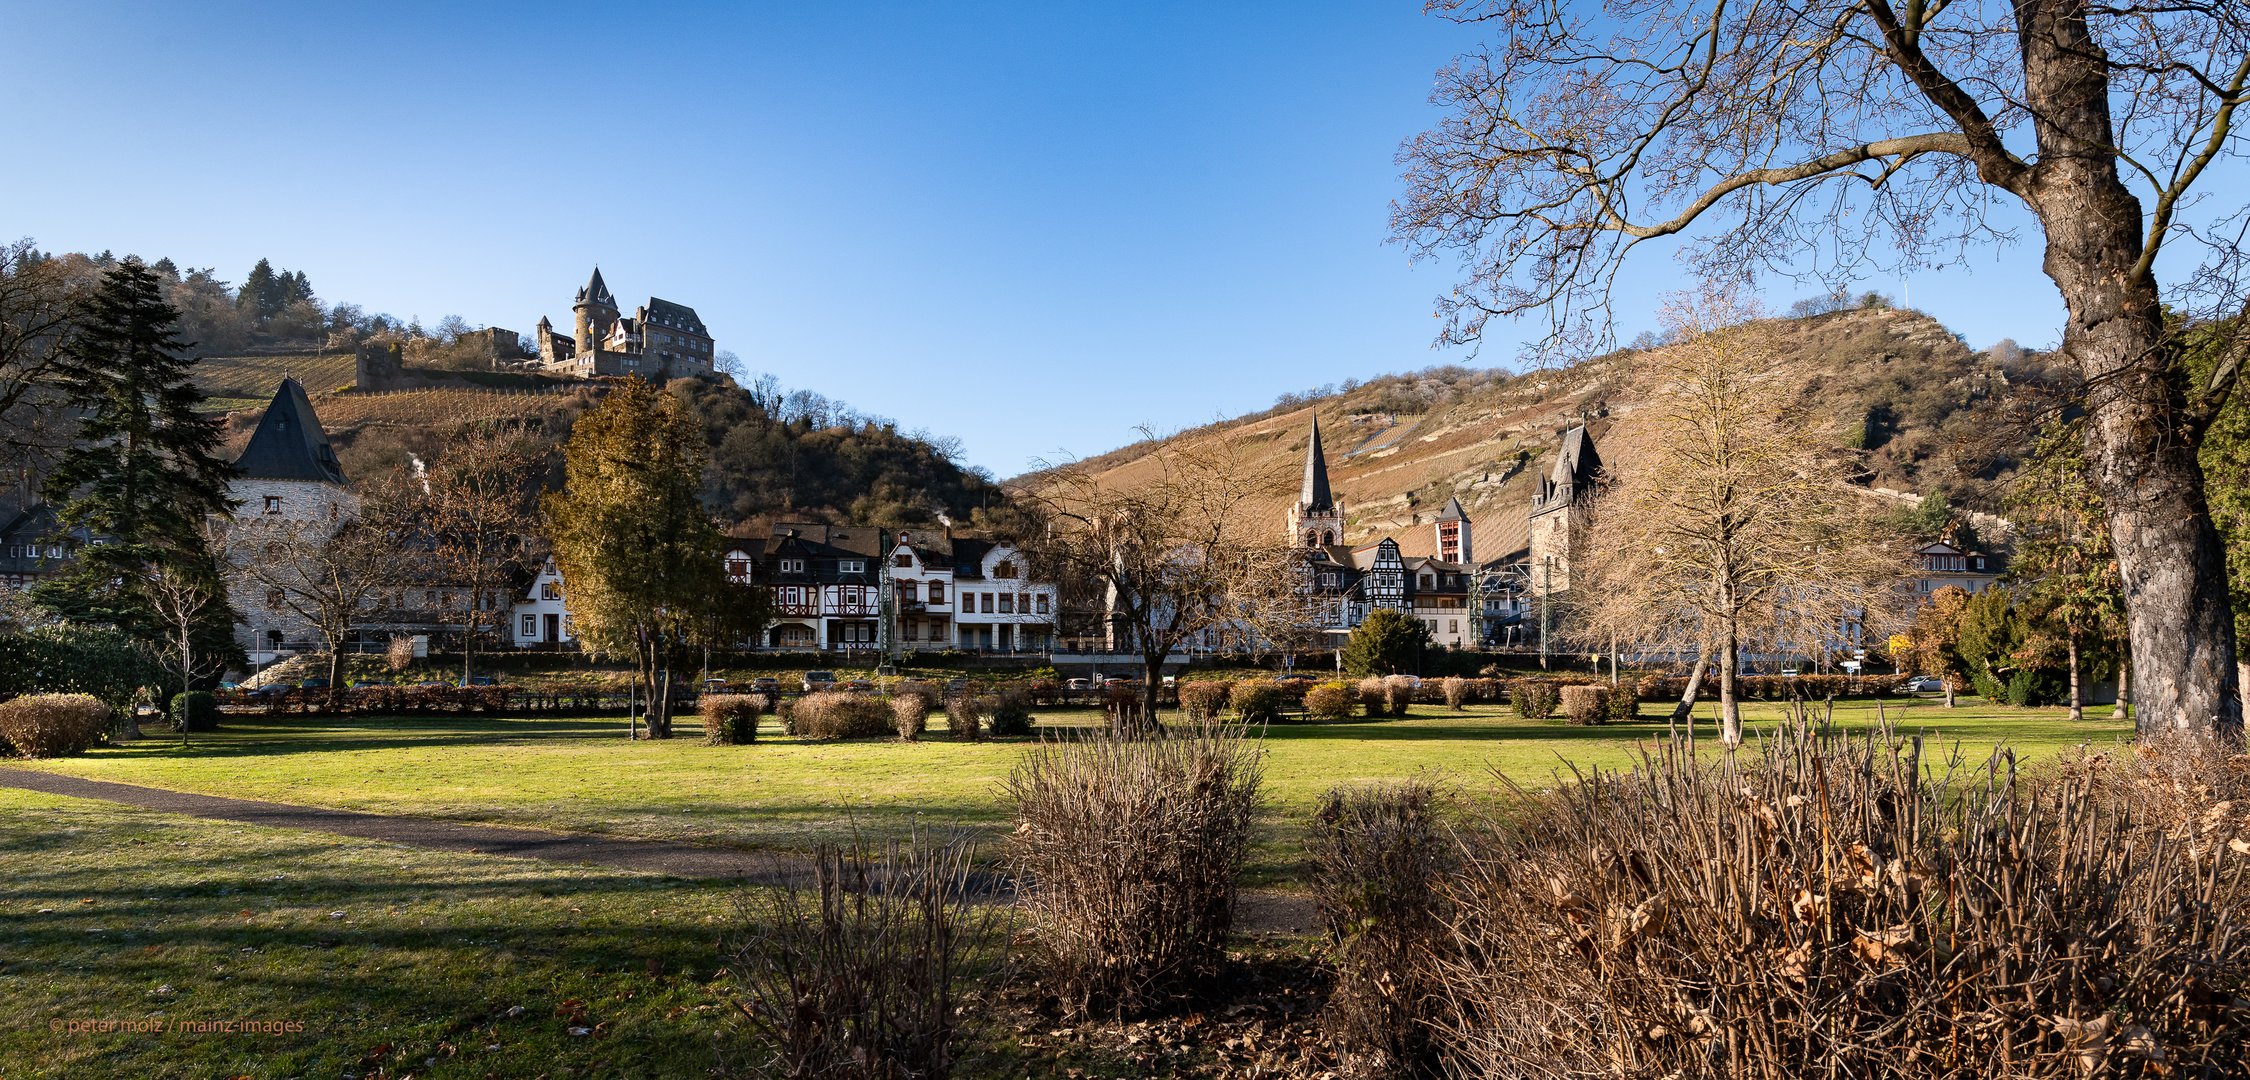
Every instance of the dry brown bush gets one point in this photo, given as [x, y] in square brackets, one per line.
[1202, 699]
[857, 975]
[1379, 864]
[841, 714]
[1585, 704]
[730, 719]
[910, 715]
[51, 725]
[1456, 690]
[964, 717]
[1125, 854]
[1837, 906]
[1330, 701]
[1398, 693]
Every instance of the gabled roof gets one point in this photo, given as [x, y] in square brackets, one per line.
[289, 444]
[1315, 494]
[1453, 511]
[968, 557]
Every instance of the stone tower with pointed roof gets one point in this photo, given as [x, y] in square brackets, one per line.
[1560, 511]
[287, 484]
[1317, 519]
[596, 312]
[661, 340]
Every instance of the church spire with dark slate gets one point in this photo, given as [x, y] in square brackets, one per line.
[1315, 495]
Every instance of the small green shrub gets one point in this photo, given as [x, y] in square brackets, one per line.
[1257, 701]
[1010, 712]
[1202, 699]
[1534, 699]
[1330, 701]
[195, 710]
[52, 725]
[1625, 701]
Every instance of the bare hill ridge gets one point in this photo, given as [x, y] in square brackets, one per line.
[1920, 410]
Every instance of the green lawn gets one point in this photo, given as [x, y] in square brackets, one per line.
[584, 775]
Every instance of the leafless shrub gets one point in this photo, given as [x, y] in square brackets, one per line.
[964, 718]
[854, 976]
[52, 725]
[1456, 691]
[1398, 693]
[1585, 704]
[1372, 697]
[840, 714]
[1836, 906]
[1379, 867]
[910, 714]
[399, 654]
[1202, 699]
[1125, 854]
[730, 719]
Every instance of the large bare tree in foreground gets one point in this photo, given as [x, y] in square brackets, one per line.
[1840, 134]
[1164, 561]
[1734, 525]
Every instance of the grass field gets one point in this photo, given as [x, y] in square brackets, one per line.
[584, 775]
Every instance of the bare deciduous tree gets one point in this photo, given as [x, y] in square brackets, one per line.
[39, 303]
[480, 509]
[184, 596]
[1856, 135]
[1164, 562]
[334, 575]
[1732, 525]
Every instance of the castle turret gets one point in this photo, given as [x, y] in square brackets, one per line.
[597, 311]
[1454, 544]
[1317, 519]
[1559, 512]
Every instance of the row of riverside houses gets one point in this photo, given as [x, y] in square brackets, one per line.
[858, 589]
[836, 589]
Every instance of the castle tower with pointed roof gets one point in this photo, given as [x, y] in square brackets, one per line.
[1560, 510]
[1317, 519]
[596, 312]
[288, 484]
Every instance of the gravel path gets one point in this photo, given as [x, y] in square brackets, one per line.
[1255, 911]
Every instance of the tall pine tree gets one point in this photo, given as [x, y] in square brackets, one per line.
[144, 473]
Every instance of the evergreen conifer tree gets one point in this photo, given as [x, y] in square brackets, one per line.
[143, 473]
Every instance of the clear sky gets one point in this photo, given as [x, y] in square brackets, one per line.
[1033, 227]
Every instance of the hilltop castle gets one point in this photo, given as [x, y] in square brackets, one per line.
[662, 340]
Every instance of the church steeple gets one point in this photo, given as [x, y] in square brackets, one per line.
[1316, 520]
[1315, 495]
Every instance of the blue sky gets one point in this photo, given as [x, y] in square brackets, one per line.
[1031, 227]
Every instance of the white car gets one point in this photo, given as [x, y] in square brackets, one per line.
[1922, 684]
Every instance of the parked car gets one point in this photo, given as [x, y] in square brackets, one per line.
[313, 684]
[1922, 684]
[765, 684]
[956, 686]
[860, 686]
[487, 680]
[1079, 684]
[1116, 682]
[816, 681]
[1294, 676]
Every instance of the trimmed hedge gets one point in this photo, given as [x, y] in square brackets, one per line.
[1330, 701]
[51, 725]
[1257, 701]
[1533, 699]
[731, 719]
[841, 714]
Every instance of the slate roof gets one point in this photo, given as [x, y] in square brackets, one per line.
[1315, 495]
[1578, 464]
[675, 316]
[289, 443]
[1453, 511]
[596, 292]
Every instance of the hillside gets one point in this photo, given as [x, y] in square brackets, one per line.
[802, 456]
[1921, 411]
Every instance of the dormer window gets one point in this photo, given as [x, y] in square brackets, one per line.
[792, 566]
[851, 566]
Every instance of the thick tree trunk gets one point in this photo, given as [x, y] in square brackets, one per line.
[2077, 696]
[1684, 712]
[2140, 442]
[1152, 681]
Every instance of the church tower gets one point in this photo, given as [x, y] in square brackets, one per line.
[1454, 544]
[1317, 520]
[597, 312]
[1559, 512]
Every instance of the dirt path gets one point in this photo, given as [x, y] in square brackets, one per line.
[1255, 911]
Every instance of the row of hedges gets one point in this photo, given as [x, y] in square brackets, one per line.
[378, 700]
